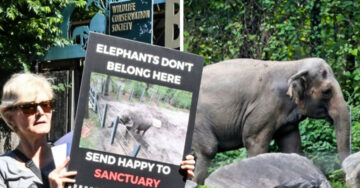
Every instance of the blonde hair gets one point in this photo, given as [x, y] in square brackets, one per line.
[23, 87]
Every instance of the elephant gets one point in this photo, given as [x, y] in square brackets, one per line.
[140, 121]
[247, 103]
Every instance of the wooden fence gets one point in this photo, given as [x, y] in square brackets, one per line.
[126, 140]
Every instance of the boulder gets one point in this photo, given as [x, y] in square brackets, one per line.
[351, 166]
[269, 170]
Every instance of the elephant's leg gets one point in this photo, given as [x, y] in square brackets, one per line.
[258, 143]
[205, 146]
[201, 168]
[254, 147]
[288, 139]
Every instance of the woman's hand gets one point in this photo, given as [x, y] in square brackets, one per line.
[189, 165]
[59, 176]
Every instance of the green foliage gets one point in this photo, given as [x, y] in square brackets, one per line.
[226, 158]
[182, 99]
[90, 141]
[338, 185]
[286, 30]
[97, 80]
[114, 84]
[27, 29]
[317, 135]
[161, 91]
[136, 87]
[337, 179]
[355, 130]
[319, 144]
[61, 87]
[175, 97]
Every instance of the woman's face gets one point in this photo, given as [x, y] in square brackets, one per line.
[32, 125]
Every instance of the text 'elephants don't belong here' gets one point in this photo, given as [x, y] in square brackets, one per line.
[144, 58]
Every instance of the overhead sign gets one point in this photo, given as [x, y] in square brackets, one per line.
[132, 20]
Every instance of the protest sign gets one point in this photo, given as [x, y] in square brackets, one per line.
[136, 114]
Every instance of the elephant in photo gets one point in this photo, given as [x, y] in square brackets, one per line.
[138, 120]
[247, 103]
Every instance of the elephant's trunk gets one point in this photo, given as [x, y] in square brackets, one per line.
[341, 119]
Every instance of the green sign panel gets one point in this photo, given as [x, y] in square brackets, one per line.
[132, 20]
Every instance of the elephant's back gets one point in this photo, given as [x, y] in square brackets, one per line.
[231, 74]
[236, 68]
[248, 65]
[238, 65]
[244, 72]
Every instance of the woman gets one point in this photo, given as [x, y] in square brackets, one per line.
[26, 108]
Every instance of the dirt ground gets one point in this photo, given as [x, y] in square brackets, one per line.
[163, 143]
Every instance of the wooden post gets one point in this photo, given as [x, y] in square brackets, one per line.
[96, 102]
[119, 93]
[159, 97]
[142, 95]
[152, 95]
[103, 119]
[91, 98]
[172, 99]
[113, 133]
[102, 88]
[106, 86]
[135, 150]
[131, 94]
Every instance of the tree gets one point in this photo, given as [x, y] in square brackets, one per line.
[285, 30]
[279, 30]
[28, 29]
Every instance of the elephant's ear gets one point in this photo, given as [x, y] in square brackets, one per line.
[297, 85]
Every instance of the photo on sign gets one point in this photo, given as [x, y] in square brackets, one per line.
[137, 119]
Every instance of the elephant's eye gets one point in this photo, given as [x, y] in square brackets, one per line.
[327, 93]
[324, 74]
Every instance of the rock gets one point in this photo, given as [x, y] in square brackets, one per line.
[351, 166]
[190, 184]
[156, 123]
[269, 170]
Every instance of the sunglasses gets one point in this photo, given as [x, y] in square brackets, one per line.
[31, 108]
